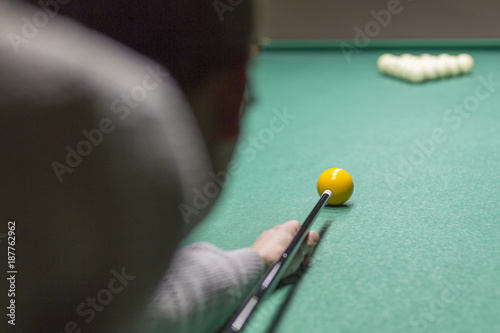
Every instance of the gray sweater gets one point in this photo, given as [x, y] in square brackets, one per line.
[98, 149]
[202, 287]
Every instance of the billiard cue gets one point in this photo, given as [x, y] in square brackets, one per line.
[273, 277]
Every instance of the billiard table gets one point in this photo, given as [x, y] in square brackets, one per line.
[417, 247]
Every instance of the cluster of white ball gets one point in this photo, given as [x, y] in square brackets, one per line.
[425, 67]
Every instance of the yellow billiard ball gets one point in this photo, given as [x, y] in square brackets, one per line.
[339, 182]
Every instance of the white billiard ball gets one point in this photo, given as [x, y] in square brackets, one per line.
[397, 68]
[453, 66]
[406, 57]
[426, 57]
[407, 64]
[393, 64]
[450, 63]
[465, 63]
[383, 63]
[416, 73]
[429, 69]
[442, 67]
[388, 64]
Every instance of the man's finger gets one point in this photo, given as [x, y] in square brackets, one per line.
[312, 238]
[309, 242]
[292, 225]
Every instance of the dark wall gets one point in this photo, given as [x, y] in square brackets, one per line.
[415, 18]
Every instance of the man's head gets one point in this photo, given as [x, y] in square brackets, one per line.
[204, 44]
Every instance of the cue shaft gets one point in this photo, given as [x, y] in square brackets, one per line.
[275, 274]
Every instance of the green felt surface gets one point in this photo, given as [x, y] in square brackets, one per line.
[416, 249]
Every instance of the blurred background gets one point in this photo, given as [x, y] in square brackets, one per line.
[337, 19]
[320, 19]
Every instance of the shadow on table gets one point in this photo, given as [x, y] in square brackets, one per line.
[341, 206]
[294, 279]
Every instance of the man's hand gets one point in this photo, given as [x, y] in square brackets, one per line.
[273, 242]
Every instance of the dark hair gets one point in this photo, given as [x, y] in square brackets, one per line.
[192, 39]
